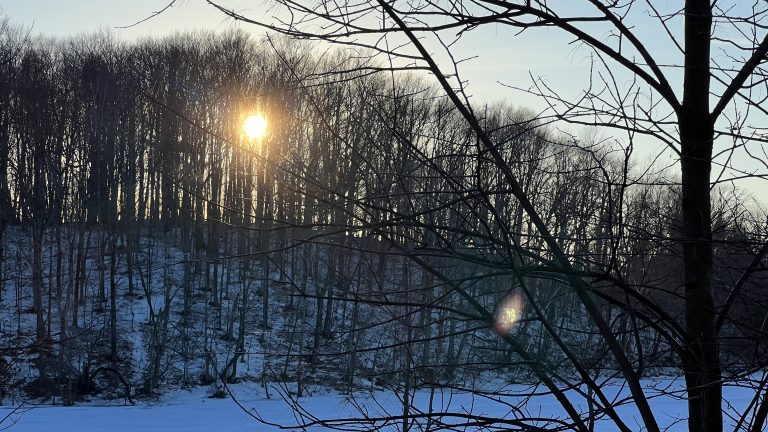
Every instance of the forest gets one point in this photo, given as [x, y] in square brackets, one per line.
[367, 240]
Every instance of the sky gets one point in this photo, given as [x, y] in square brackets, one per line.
[76, 17]
[498, 55]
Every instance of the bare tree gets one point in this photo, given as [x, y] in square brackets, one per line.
[690, 118]
[385, 233]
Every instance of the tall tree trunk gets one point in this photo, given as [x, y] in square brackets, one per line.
[37, 280]
[60, 298]
[113, 297]
[702, 368]
[80, 275]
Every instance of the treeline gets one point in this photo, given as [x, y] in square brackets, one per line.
[360, 240]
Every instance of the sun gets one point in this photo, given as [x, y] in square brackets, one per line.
[255, 126]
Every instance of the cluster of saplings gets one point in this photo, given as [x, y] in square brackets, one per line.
[147, 242]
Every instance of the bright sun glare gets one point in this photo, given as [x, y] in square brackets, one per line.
[255, 126]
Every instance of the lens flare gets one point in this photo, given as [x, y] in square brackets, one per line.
[508, 312]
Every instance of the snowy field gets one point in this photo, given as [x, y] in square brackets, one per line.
[192, 411]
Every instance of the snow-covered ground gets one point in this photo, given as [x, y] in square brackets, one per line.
[192, 411]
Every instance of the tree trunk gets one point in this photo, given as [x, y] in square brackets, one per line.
[113, 298]
[702, 367]
[37, 281]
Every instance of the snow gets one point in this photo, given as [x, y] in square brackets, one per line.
[181, 410]
[192, 410]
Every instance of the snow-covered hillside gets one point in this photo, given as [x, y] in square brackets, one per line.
[316, 318]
